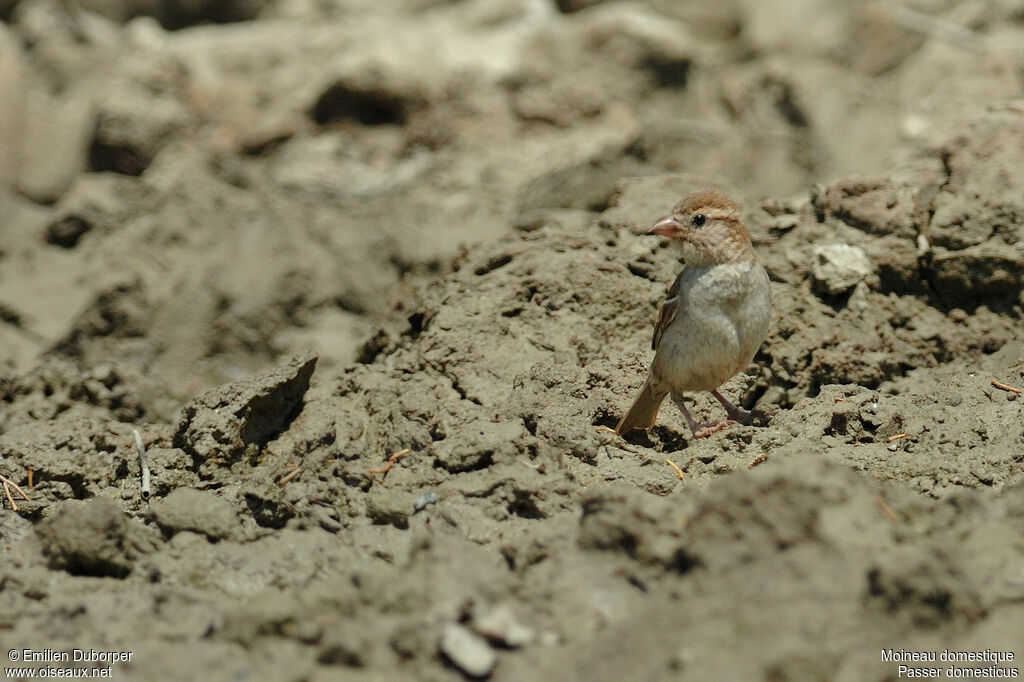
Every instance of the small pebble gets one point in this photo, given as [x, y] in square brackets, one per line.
[423, 501]
[467, 651]
[500, 625]
[838, 268]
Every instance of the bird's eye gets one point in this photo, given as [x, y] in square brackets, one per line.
[700, 219]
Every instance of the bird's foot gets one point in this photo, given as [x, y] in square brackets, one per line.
[705, 430]
[736, 414]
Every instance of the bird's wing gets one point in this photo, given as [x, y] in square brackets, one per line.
[668, 312]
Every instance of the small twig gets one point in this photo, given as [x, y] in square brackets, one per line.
[392, 460]
[898, 436]
[8, 484]
[1000, 385]
[675, 466]
[30, 485]
[540, 344]
[886, 509]
[605, 429]
[290, 475]
[140, 448]
[7, 491]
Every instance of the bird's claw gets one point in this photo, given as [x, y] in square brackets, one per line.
[711, 429]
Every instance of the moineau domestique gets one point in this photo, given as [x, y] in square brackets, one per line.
[988, 655]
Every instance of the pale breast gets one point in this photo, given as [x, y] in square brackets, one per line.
[724, 313]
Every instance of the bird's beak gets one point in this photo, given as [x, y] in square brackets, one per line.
[667, 227]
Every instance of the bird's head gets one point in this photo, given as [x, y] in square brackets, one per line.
[707, 225]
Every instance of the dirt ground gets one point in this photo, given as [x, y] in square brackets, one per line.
[368, 277]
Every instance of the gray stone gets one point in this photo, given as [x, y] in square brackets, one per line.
[423, 501]
[839, 267]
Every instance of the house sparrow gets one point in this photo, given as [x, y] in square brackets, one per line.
[715, 316]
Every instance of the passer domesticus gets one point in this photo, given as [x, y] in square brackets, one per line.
[715, 316]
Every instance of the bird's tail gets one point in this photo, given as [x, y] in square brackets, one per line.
[643, 412]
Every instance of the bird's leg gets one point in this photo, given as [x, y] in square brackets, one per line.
[736, 414]
[699, 430]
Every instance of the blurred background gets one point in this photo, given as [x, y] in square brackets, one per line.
[190, 190]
